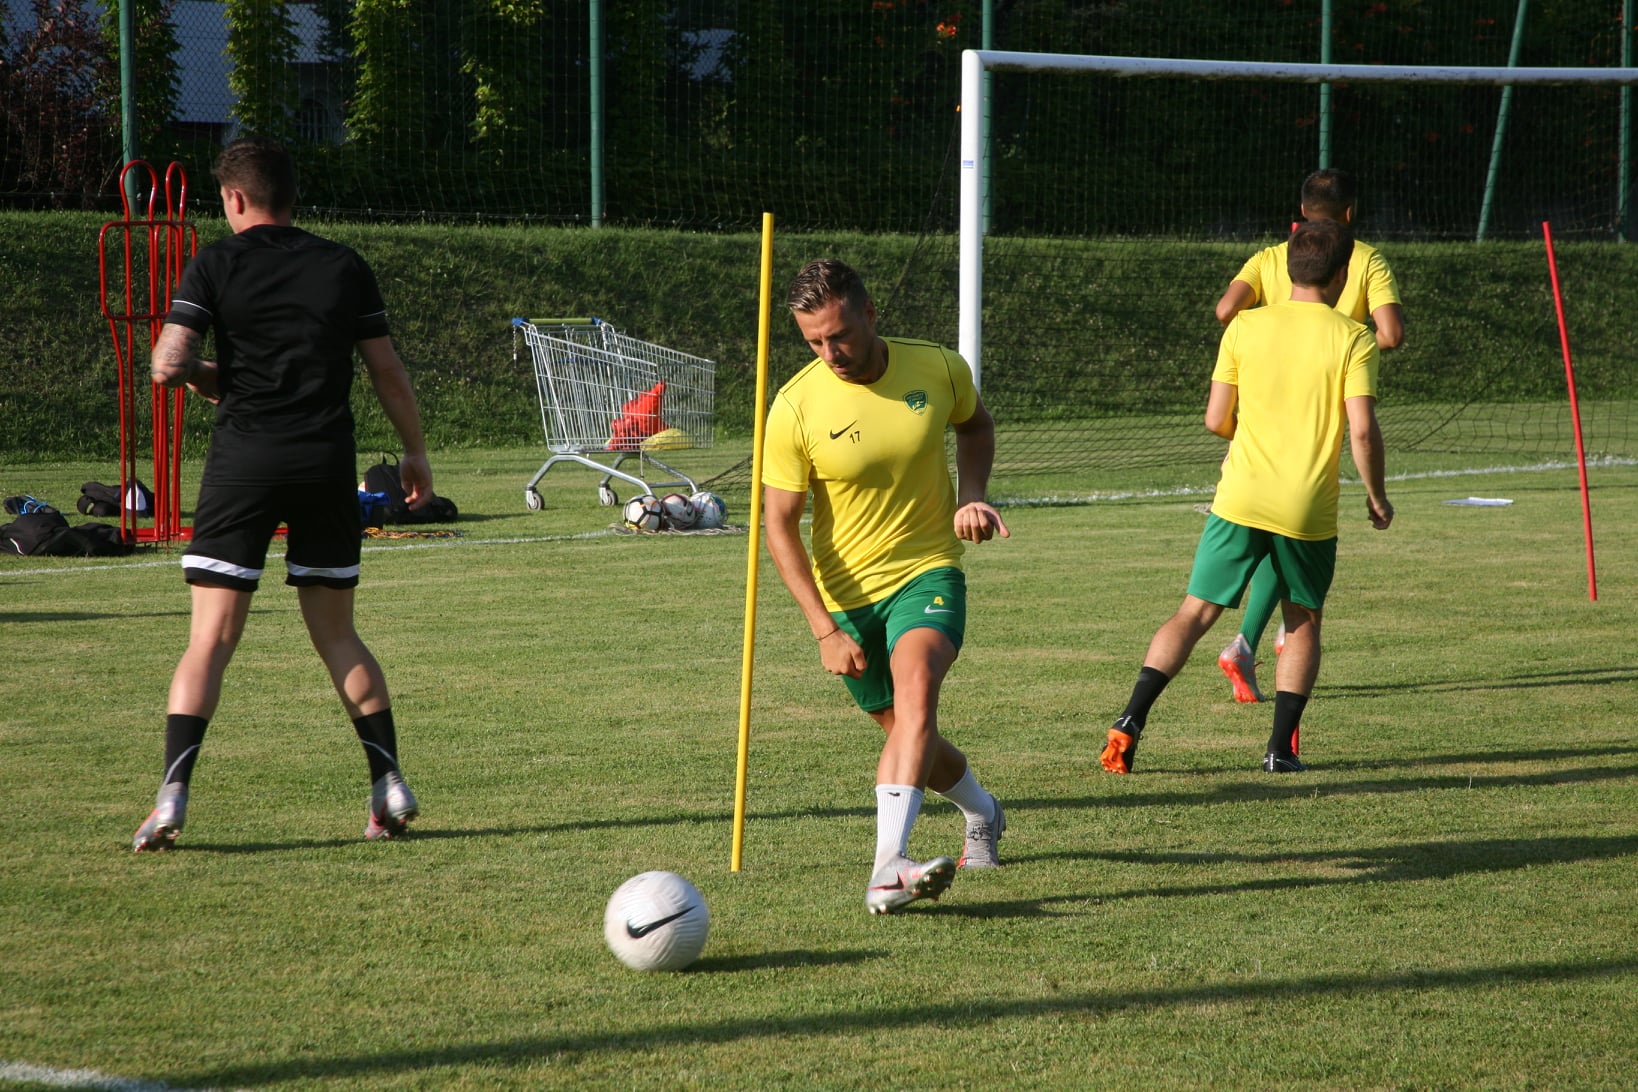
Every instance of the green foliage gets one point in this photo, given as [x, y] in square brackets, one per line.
[504, 71]
[58, 128]
[157, 80]
[1136, 338]
[262, 48]
[842, 114]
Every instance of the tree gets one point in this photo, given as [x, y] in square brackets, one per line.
[61, 135]
[155, 56]
[262, 48]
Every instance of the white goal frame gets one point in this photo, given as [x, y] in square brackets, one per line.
[974, 132]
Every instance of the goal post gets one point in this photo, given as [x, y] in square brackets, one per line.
[974, 152]
[1096, 207]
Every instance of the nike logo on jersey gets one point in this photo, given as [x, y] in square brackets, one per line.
[935, 610]
[638, 932]
[837, 435]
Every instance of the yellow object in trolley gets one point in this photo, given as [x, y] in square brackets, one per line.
[668, 439]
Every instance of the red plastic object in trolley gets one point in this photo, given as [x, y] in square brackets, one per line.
[149, 253]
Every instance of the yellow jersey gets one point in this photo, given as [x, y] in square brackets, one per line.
[1370, 282]
[1294, 365]
[872, 455]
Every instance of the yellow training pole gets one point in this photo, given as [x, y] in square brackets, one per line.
[754, 548]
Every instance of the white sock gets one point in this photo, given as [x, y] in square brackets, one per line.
[896, 810]
[968, 795]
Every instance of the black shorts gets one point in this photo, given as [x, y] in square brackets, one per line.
[233, 525]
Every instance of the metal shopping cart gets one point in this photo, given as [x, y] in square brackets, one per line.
[604, 395]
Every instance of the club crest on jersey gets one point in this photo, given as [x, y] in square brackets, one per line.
[916, 400]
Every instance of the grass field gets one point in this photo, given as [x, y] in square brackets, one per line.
[1445, 900]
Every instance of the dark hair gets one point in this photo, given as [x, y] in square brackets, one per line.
[262, 169]
[1318, 248]
[823, 281]
[1329, 192]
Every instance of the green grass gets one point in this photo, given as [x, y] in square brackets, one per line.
[1444, 901]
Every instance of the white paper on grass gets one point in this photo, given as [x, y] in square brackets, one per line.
[1481, 502]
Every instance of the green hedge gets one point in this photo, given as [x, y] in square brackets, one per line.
[453, 290]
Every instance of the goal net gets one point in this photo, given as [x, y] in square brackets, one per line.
[1088, 235]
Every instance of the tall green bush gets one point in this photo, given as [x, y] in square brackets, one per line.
[262, 50]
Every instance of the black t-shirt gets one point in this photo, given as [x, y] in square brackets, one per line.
[286, 308]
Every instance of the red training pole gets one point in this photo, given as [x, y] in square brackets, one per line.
[170, 241]
[1575, 413]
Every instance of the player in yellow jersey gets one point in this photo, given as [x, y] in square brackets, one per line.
[1369, 292]
[861, 429]
[1292, 379]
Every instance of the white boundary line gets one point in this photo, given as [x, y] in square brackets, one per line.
[379, 547]
[1054, 501]
[1063, 501]
[76, 1078]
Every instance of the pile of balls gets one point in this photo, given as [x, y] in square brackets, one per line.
[675, 512]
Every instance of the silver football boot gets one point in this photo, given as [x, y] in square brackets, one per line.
[980, 850]
[164, 823]
[902, 881]
[392, 806]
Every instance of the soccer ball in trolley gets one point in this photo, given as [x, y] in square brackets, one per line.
[656, 921]
[709, 510]
[677, 512]
[643, 513]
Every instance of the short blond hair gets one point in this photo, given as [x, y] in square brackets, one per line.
[823, 281]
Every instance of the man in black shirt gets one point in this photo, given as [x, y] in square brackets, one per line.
[287, 310]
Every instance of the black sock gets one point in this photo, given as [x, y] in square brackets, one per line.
[380, 741]
[1150, 682]
[1288, 709]
[183, 736]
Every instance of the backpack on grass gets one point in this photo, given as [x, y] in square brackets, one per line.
[43, 532]
[382, 479]
[97, 499]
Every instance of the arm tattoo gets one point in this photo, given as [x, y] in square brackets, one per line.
[176, 356]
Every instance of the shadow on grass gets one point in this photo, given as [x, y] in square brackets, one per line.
[796, 957]
[562, 1051]
[1544, 754]
[1297, 787]
[1404, 863]
[8, 617]
[1513, 680]
[1257, 787]
[432, 834]
[1128, 791]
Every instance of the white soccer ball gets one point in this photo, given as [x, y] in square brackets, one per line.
[643, 513]
[709, 510]
[656, 921]
[677, 512]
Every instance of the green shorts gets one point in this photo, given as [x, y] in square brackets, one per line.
[936, 599]
[1230, 552]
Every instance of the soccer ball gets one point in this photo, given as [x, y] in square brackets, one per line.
[709, 510]
[656, 921]
[678, 512]
[643, 513]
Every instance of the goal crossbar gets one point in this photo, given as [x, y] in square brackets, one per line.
[976, 62]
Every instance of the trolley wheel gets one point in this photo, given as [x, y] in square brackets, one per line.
[606, 497]
[531, 497]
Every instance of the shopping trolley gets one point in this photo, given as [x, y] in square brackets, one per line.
[604, 395]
